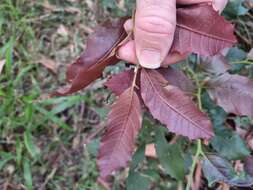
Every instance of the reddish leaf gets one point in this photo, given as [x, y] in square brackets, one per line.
[100, 52]
[217, 64]
[124, 122]
[202, 30]
[172, 107]
[248, 165]
[217, 169]
[233, 93]
[120, 82]
[198, 31]
[177, 78]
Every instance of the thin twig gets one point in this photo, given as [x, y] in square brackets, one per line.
[136, 69]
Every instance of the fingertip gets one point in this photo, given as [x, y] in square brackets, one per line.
[149, 58]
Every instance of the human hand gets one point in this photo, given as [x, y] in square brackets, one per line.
[154, 27]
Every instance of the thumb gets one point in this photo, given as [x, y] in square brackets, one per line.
[154, 29]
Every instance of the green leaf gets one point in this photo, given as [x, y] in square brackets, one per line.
[109, 4]
[217, 114]
[152, 173]
[4, 159]
[136, 181]
[170, 156]
[24, 72]
[30, 145]
[9, 58]
[236, 54]
[69, 102]
[19, 149]
[235, 9]
[93, 146]
[138, 156]
[230, 146]
[28, 175]
[227, 143]
[244, 122]
[52, 117]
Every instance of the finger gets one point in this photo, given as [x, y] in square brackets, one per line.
[128, 26]
[127, 53]
[155, 23]
[218, 5]
[173, 58]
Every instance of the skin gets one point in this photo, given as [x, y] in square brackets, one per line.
[154, 27]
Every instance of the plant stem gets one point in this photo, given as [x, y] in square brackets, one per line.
[199, 97]
[199, 151]
[136, 69]
[199, 86]
[247, 61]
[194, 163]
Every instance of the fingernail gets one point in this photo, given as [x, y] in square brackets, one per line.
[150, 59]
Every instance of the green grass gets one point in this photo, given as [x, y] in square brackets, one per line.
[41, 138]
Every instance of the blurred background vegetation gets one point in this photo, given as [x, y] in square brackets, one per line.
[51, 143]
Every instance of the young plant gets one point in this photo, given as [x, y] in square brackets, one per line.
[165, 92]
